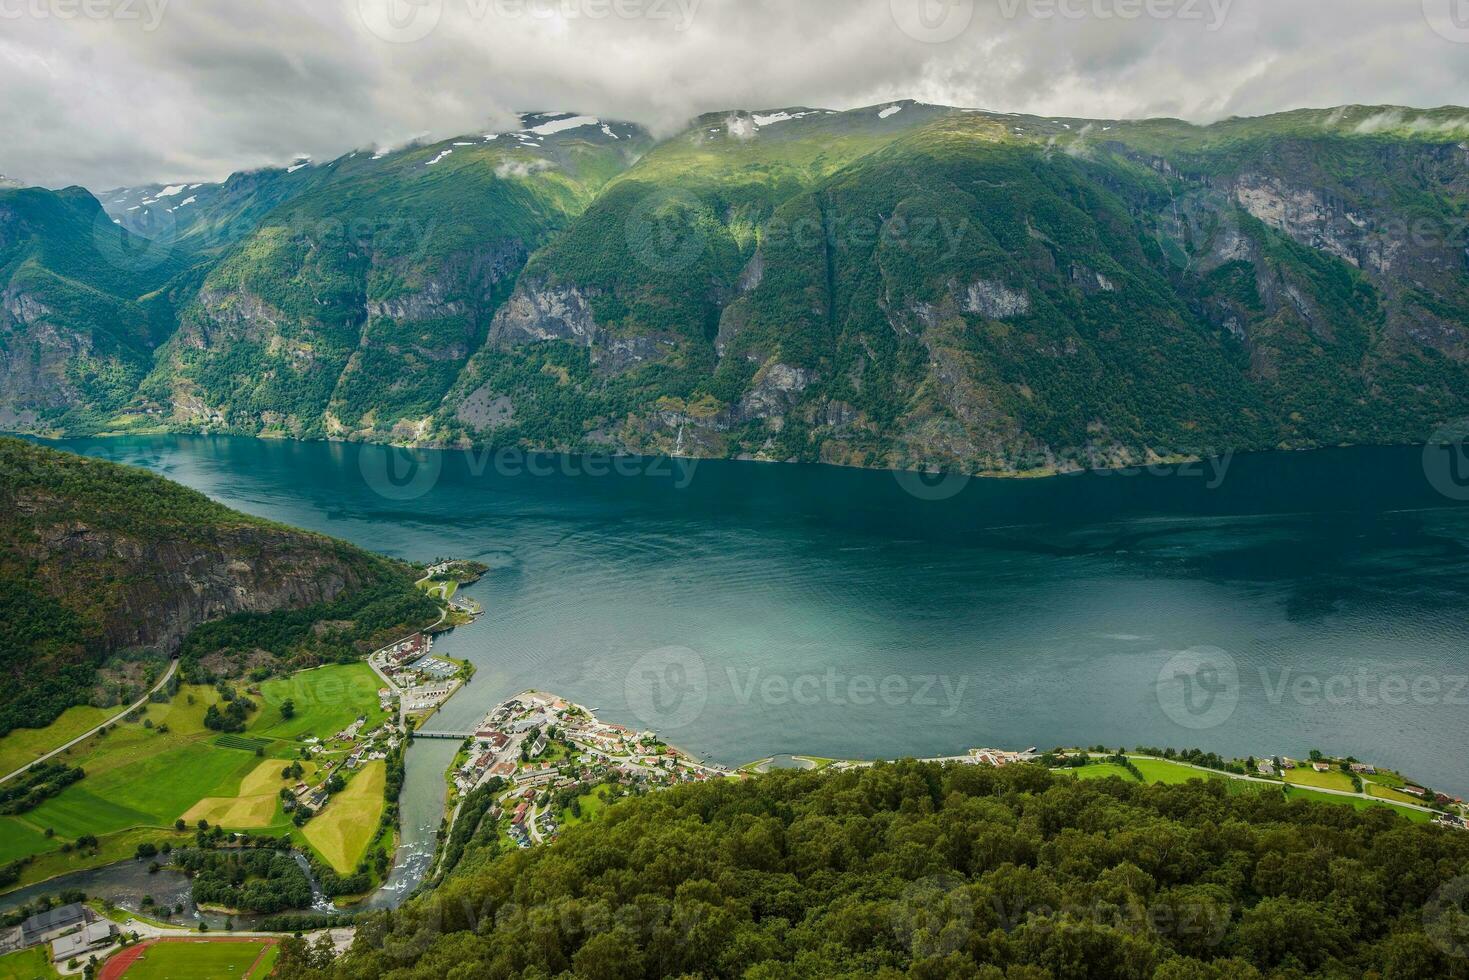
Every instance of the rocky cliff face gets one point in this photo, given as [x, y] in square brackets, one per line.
[167, 587]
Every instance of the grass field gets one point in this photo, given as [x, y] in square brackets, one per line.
[18, 838]
[1388, 793]
[342, 831]
[24, 744]
[1163, 771]
[28, 964]
[1304, 775]
[1361, 803]
[204, 959]
[591, 804]
[327, 700]
[147, 775]
[255, 805]
[1100, 770]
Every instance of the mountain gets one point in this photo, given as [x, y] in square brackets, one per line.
[351, 310]
[900, 285]
[914, 869]
[104, 568]
[81, 309]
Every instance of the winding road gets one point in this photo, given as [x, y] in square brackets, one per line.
[173, 666]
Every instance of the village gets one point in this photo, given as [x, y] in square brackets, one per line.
[542, 747]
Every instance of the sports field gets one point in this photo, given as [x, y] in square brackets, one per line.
[194, 959]
[343, 829]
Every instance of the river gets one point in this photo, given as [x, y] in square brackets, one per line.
[1264, 604]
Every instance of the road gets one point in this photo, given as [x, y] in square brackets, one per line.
[173, 666]
[1364, 795]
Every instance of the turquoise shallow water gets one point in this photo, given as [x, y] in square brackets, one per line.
[1292, 601]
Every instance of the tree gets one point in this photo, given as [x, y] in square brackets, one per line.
[288, 709]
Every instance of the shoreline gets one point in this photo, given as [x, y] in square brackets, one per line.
[1042, 473]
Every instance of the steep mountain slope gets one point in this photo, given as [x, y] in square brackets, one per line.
[901, 285]
[999, 292]
[351, 309]
[80, 309]
[98, 560]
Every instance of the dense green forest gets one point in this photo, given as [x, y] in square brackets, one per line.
[922, 870]
[84, 543]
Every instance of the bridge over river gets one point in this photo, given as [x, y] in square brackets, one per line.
[455, 736]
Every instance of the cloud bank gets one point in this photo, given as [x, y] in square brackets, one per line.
[110, 92]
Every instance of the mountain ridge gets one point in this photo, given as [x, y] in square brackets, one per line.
[894, 285]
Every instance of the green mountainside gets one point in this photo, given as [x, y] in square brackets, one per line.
[900, 285]
[107, 569]
[921, 870]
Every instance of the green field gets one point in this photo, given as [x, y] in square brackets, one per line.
[591, 804]
[147, 776]
[1099, 770]
[1304, 775]
[1388, 793]
[1163, 771]
[1360, 802]
[327, 700]
[342, 831]
[18, 838]
[28, 964]
[25, 744]
[204, 959]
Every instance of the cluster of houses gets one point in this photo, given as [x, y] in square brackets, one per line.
[363, 748]
[514, 741]
[74, 931]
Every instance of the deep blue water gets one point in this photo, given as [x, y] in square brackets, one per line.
[1265, 604]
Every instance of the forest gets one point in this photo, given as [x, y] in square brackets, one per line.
[927, 870]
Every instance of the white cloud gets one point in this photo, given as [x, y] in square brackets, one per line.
[220, 86]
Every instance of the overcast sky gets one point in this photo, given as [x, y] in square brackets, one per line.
[109, 92]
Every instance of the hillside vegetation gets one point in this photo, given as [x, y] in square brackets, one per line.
[902, 285]
[920, 870]
[107, 569]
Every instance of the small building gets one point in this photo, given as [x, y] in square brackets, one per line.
[1321, 766]
[1265, 767]
[92, 936]
[1414, 790]
[1363, 768]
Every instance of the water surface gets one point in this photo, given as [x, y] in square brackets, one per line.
[750, 610]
